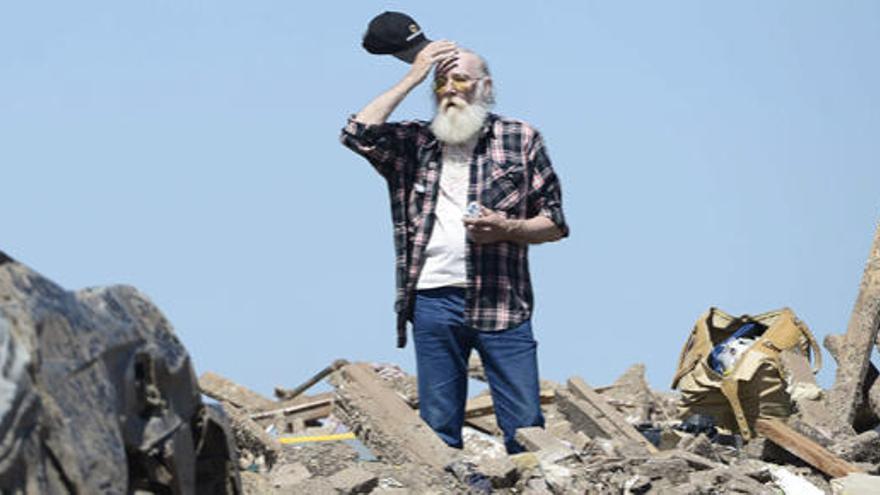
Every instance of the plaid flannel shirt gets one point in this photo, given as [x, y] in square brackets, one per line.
[510, 172]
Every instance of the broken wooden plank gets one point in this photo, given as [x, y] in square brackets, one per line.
[807, 396]
[285, 394]
[322, 407]
[611, 420]
[225, 390]
[384, 421]
[869, 414]
[861, 337]
[482, 405]
[487, 424]
[811, 452]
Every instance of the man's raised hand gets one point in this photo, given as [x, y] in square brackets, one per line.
[435, 52]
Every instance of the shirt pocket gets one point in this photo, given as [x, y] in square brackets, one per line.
[505, 190]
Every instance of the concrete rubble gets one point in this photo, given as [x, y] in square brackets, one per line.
[98, 396]
[620, 438]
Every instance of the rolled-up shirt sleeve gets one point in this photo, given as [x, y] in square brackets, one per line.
[381, 144]
[545, 192]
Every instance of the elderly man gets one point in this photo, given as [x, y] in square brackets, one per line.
[469, 192]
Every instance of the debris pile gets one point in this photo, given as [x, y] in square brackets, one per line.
[97, 395]
[771, 429]
[367, 437]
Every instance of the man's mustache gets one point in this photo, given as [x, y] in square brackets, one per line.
[453, 101]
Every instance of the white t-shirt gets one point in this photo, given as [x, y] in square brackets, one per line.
[445, 254]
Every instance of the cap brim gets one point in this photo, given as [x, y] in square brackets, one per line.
[409, 55]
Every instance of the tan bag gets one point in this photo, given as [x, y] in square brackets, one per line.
[755, 386]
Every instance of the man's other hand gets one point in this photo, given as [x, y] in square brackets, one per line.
[489, 227]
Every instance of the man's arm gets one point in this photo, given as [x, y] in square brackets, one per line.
[492, 226]
[545, 221]
[377, 111]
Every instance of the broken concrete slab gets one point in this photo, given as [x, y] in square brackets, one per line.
[864, 447]
[699, 445]
[547, 447]
[725, 480]
[562, 430]
[631, 395]
[695, 461]
[868, 414]
[223, 389]
[854, 357]
[807, 397]
[288, 475]
[501, 471]
[251, 437]
[673, 469]
[590, 413]
[856, 484]
[354, 479]
[384, 421]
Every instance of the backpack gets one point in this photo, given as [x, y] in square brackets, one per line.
[754, 385]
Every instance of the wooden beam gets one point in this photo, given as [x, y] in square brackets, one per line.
[861, 337]
[482, 405]
[323, 407]
[804, 448]
[285, 394]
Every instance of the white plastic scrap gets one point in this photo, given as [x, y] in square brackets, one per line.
[792, 484]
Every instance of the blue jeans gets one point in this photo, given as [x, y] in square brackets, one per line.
[443, 344]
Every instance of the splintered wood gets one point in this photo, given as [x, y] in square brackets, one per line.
[801, 446]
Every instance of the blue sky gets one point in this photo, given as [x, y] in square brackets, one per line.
[710, 154]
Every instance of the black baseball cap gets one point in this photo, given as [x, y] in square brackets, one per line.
[395, 33]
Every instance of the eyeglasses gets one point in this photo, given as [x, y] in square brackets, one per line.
[460, 83]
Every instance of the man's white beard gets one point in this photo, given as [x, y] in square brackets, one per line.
[459, 121]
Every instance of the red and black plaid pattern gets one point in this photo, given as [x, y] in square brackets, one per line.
[510, 173]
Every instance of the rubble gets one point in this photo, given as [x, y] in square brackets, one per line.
[366, 435]
[590, 445]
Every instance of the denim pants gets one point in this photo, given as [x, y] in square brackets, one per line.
[443, 344]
